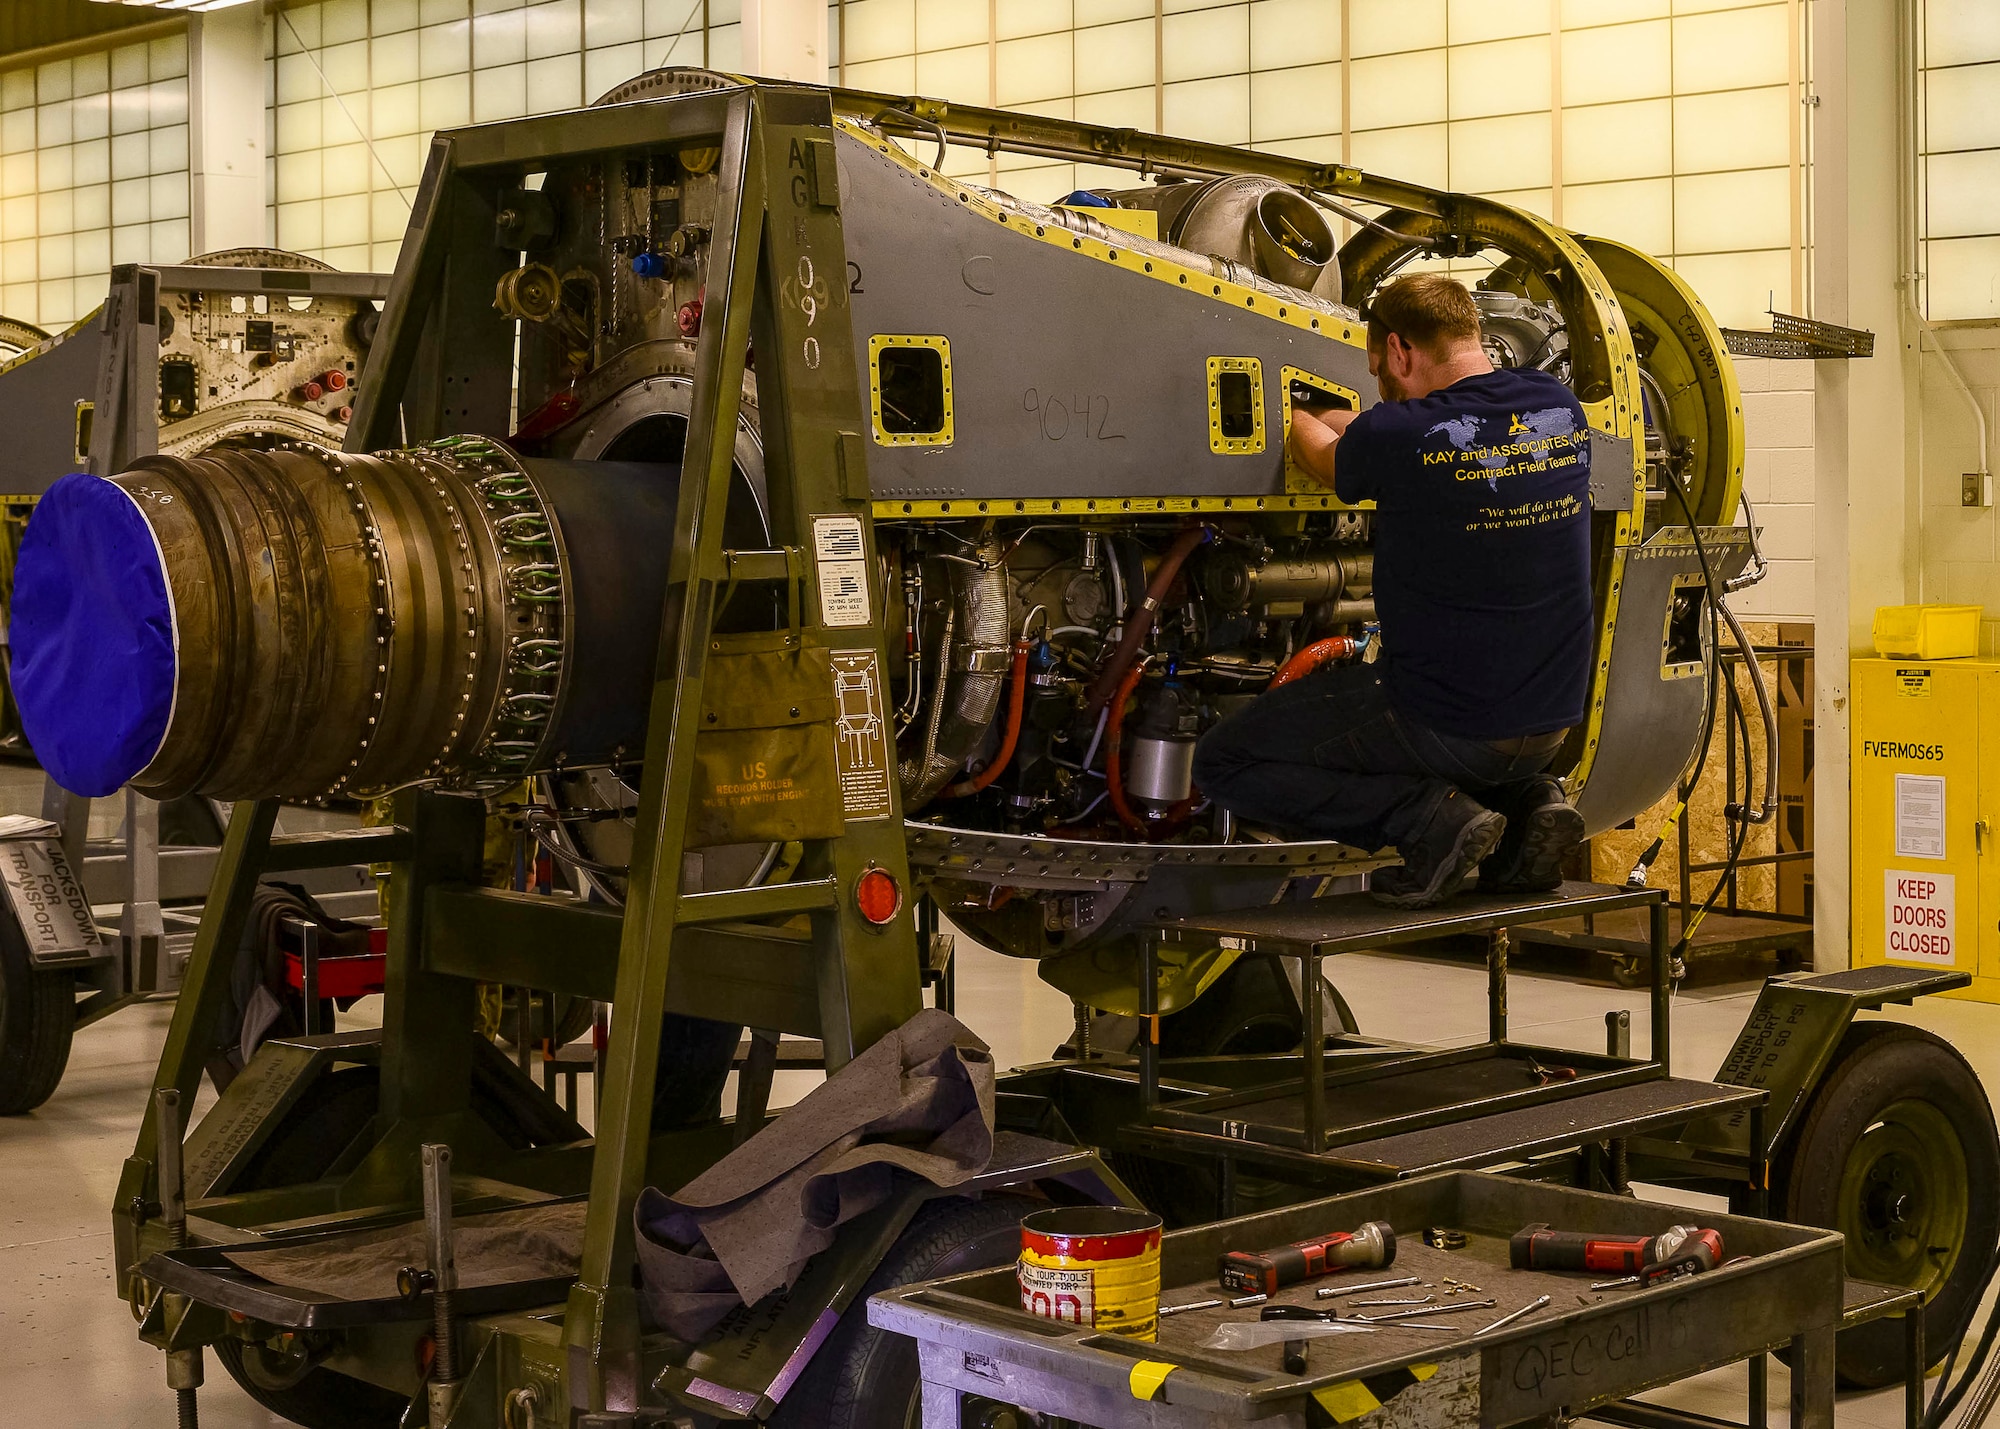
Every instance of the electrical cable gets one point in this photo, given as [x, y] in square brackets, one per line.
[1740, 821]
[1713, 660]
[1943, 1382]
[1758, 567]
[1739, 829]
[1943, 1402]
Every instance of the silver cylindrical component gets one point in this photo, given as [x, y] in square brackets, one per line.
[301, 623]
[1344, 612]
[1237, 582]
[1159, 771]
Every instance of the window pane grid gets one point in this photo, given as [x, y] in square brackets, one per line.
[1958, 118]
[93, 172]
[359, 87]
[1629, 119]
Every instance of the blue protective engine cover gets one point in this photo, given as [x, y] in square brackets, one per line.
[92, 637]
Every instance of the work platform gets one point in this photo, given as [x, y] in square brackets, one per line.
[1622, 940]
[1349, 1110]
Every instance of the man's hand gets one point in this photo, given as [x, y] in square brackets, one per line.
[1312, 439]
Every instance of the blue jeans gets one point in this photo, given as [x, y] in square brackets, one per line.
[1328, 758]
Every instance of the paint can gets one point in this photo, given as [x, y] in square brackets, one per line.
[1096, 1266]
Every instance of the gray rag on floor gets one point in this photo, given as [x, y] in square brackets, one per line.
[919, 1101]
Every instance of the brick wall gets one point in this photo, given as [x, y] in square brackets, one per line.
[1778, 478]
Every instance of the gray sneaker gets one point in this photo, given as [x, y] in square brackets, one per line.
[1461, 836]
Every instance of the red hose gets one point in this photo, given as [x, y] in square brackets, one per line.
[1334, 647]
[1016, 698]
[1139, 621]
[1114, 739]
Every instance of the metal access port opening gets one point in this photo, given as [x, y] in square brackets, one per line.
[1682, 650]
[1315, 398]
[913, 392]
[1237, 397]
[1235, 406]
[177, 390]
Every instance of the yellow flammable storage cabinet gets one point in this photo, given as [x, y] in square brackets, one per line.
[1926, 790]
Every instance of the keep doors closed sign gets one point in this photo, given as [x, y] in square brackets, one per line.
[1920, 914]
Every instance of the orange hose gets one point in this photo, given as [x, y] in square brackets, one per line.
[1334, 647]
[1114, 739]
[1016, 699]
[1139, 619]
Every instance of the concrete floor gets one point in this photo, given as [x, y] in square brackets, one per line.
[68, 1355]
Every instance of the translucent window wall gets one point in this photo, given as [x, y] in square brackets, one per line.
[93, 171]
[1959, 136]
[358, 86]
[1672, 124]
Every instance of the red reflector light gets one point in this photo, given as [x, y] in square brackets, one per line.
[877, 896]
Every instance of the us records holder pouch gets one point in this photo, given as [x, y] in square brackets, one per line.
[764, 768]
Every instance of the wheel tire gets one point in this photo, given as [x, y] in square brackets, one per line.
[573, 1018]
[865, 1378]
[1899, 1113]
[1249, 1009]
[37, 1020]
[322, 1124]
[316, 1398]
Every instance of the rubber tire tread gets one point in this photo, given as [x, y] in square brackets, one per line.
[322, 1399]
[865, 1378]
[1252, 993]
[1898, 1061]
[574, 1018]
[37, 1022]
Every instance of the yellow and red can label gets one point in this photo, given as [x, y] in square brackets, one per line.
[1095, 1266]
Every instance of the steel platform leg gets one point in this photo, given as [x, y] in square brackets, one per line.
[1312, 1005]
[1496, 985]
[1812, 1380]
[1149, 1026]
[940, 1406]
[1760, 1197]
[1913, 1377]
[1663, 997]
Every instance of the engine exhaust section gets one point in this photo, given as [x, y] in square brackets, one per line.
[300, 623]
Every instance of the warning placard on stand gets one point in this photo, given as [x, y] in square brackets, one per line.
[841, 556]
[1920, 917]
[48, 902]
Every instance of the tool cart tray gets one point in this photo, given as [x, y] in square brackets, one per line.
[1584, 1348]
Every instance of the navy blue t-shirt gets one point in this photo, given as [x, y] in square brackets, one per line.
[1482, 551]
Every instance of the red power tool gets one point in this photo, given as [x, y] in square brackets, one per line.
[1680, 1250]
[1264, 1271]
